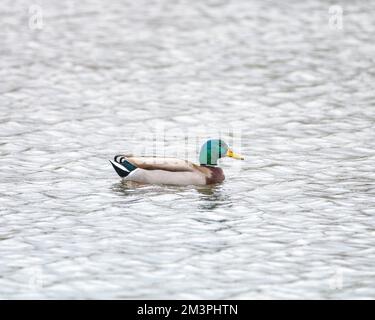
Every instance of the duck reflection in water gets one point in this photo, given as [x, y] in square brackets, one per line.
[212, 197]
[127, 188]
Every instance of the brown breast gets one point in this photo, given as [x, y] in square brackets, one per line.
[216, 175]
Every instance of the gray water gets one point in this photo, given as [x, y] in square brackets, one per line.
[293, 91]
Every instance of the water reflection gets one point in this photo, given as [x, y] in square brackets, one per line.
[209, 197]
[212, 197]
[127, 187]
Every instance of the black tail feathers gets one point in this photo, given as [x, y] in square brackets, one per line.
[122, 166]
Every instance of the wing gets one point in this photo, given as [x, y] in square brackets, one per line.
[159, 163]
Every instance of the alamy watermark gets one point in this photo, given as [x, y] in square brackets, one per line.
[35, 278]
[335, 20]
[181, 143]
[336, 282]
[35, 17]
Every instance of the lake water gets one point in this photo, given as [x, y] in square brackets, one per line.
[284, 83]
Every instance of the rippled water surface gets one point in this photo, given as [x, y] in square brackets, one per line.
[295, 220]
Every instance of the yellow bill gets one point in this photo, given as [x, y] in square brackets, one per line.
[234, 155]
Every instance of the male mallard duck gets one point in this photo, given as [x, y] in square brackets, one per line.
[156, 170]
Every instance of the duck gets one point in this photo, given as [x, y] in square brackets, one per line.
[174, 171]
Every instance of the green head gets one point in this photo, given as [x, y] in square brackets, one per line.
[213, 150]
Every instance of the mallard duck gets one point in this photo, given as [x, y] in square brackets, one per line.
[159, 170]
